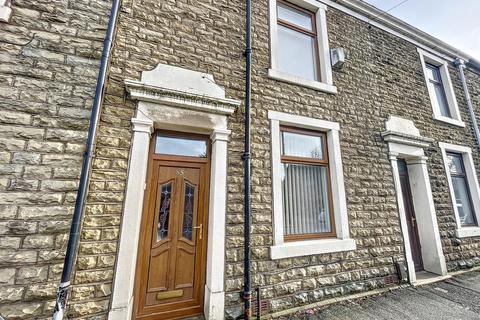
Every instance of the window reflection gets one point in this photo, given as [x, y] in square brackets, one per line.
[181, 146]
[302, 145]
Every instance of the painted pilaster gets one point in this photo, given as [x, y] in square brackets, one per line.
[403, 220]
[432, 253]
[214, 287]
[127, 253]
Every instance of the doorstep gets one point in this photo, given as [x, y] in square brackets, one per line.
[425, 277]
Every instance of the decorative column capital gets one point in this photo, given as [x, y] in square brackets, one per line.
[140, 125]
[220, 134]
[418, 160]
[392, 156]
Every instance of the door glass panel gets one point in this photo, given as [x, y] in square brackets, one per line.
[188, 211]
[181, 146]
[402, 166]
[164, 212]
[302, 145]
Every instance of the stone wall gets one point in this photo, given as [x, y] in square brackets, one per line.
[49, 55]
[382, 76]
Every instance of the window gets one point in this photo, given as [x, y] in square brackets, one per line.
[189, 146]
[297, 41]
[463, 187]
[307, 212]
[299, 44]
[463, 200]
[440, 89]
[436, 86]
[309, 203]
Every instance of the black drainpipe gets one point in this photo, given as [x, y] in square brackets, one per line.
[247, 287]
[62, 293]
[461, 65]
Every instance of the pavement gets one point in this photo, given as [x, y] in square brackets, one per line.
[457, 298]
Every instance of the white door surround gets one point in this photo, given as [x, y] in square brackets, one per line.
[405, 142]
[182, 100]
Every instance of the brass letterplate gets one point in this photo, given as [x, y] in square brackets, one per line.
[169, 294]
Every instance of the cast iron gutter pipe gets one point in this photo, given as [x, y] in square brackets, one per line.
[62, 293]
[247, 286]
[461, 65]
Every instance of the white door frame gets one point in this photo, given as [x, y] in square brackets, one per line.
[182, 100]
[405, 142]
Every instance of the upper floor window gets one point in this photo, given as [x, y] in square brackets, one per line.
[436, 86]
[440, 89]
[464, 189]
[297, 41]
[299, 44]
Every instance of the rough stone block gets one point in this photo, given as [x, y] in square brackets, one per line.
[21, 310]
[38, 241]
[7, 276]
[33, 274]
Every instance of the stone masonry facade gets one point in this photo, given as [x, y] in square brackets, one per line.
[49, 57]
[49, 60]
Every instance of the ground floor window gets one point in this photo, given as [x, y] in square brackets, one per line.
[307, 211]
[309, 203]
[463, 186]
[461, 191]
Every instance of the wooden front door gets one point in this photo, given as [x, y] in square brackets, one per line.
[170, 274]
[410, 215]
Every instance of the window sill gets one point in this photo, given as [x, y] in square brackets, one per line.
[320, 86]
[311, 247]
[467, 232]
[448, 120]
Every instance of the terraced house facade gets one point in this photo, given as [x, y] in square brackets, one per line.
[364, 156]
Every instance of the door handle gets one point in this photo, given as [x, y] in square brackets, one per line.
[200, 231]
[414, 221]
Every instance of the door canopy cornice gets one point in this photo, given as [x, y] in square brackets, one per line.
[174, 86]
[403, 131]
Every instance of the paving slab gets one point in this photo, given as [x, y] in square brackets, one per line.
[457, 298]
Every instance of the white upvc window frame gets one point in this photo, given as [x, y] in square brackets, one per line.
[466, 152]
[342, 241]
[325, 82]
[455, 119]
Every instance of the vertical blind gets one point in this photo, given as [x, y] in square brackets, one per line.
[305, 199]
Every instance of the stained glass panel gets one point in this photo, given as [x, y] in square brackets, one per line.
[188, 211]
[164, 212]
